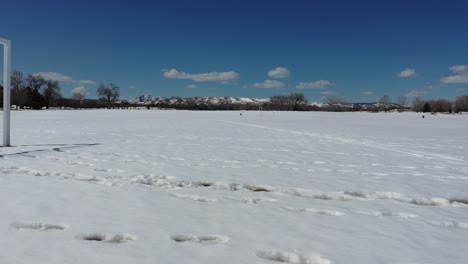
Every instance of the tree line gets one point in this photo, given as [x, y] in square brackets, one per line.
[441, 105]
[35, 92]
[299, 102]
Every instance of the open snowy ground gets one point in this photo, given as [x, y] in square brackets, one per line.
[218, 187]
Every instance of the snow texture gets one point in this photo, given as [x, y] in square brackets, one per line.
[219, 187]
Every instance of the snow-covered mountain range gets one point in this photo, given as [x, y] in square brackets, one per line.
[151, 99]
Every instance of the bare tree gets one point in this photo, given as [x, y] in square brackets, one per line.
[78, 96]
[297, 101]
[279, 102]
[110, 94]
[441, 106]
[418, 104]
[35, 82]
[17, 80]
[461, 103]
[334, 100]
[51, 93]
[385, 100]
[335, 103]
[18, 89]
[402, 101]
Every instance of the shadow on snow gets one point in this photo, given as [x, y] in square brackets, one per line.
[58, 149]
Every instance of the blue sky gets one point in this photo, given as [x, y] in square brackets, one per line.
[360, 50]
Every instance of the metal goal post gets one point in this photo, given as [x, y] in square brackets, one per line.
[6, 90]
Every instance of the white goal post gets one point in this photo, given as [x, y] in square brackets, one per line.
[6, 90]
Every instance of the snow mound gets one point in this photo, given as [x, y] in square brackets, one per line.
[194, 197]
[255, 200]
[405, 199]
[340, 196]
[315, 211]
[450, 224]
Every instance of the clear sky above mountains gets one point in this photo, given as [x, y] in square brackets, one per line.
[360, 50]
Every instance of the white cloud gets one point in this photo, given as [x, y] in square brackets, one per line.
[60, 77]
[367, 93]
[415, 93]
[79, 90]
[407, 73]
[455, 79]
[55, 76]
[460, 90]
[279, 73]
[191, 86]
[321, 84]
[221, 77]
[327, 93]
[268, 84]
[461, 76]
[132, 87]
[85, 82]
[463, 69]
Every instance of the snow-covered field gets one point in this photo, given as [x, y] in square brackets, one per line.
[218, 187]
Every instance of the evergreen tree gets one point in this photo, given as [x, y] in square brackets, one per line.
[426, 108]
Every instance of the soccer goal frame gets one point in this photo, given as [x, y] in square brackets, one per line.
[6, 90]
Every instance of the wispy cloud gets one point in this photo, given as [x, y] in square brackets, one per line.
[79, 90]
[191, 86]
[279, 73]
[461, 75]
[460, 90]
[268, 84]
[455, 79]
[416, 93]
[407, 73]
[368, 93]
[60, 77]
[321, 84]
[459, 69]
[55, 76]
[220, 77]
[327, 93]
[132, 87]
[85, 82]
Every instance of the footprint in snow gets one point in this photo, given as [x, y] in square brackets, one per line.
[292, 257]
[259, 188]
[79, 163]
[203, 239]
[37, 226]
[85, 177]
[109, 238]
[108, 170]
